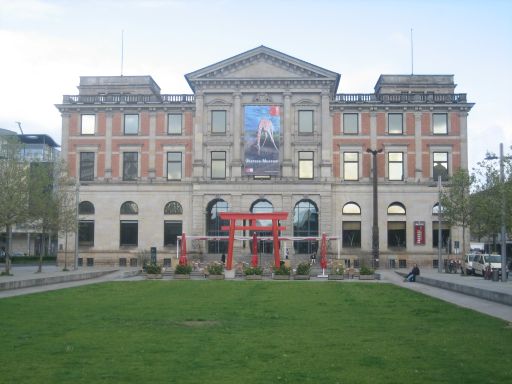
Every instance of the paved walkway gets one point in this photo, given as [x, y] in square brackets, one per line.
[491, 308]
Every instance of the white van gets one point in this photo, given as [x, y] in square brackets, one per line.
[469, 260]
[482, 261]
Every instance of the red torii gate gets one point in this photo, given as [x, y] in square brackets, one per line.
[252, 217]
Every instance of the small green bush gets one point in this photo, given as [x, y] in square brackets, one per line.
[183, 269]
[215, 268]
[338, 270]
[282, 270]
[303, 268]
[153, 269]
[366, 271]
[253, 271]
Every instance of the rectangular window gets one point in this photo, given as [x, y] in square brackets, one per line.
[172, 229]
[395, 124]
[174, 166]
[88, 126]
[306, 122]
[86, 166]
[131, 124]
[395, 165]
[351, 234]
[174, 123]
[130, 166]
[440, 165]
[350, 123]
[86, 233]
[396, 234]
[218, 121]
[129, 233]
[440, 124]
[351, 165]
[305, 165]
[218, 165]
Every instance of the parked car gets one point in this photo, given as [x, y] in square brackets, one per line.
[469, 259]
[484, 260]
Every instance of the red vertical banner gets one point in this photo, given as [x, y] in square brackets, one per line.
[419, 233]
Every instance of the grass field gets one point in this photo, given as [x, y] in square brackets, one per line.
[247, 332]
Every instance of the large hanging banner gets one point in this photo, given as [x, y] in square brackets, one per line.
[262, 139]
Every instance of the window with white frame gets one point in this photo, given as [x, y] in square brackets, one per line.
[219, 122]
[395, 165]
[131, 124]
[174, 165]
[440, 124]
[351, 165]
[130, 166]
[88, 125]
[440, 165]
[350, 123]
[218, 164]
[395, 124]
[174, 123]
[306, 162]
[305, 122]
[86, 166]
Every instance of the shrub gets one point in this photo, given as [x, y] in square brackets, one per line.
[153, 269]
[282, 270]
[253, 271]
[215, 268]
[338, 270]
[183, 269]
[303, 268]
[366, 271]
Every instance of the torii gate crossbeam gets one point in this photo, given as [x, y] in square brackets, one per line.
[252, 217]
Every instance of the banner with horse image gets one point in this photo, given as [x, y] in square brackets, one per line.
[262, 139]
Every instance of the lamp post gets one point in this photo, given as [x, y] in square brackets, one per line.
[439, 231]
[375, 226]
[503, 206]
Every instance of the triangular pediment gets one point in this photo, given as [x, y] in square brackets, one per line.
[261, 63]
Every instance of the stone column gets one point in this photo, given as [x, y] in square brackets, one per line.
[326, 130]
[463, 120]
[199, 131]
[65, 135]
[108, 145]
[236, 163]
[287, 136]
[418, 147]
[152, 145]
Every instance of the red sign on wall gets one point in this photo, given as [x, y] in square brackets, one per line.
[419, 232]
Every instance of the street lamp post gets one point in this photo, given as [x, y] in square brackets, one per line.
[439, 231]
[503, 206]
[375, 226]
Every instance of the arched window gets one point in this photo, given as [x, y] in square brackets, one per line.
[129, 208]
[305, 224]
[214, 225]
[351, 209]
[263, 206]
[173, 208]
[435, 209]
[396, 209]
[86, 208]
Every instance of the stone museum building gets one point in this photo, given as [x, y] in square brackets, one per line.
[263, 132]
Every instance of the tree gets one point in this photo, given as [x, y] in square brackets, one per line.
[14, 190]
[67, 216]
[455, 202]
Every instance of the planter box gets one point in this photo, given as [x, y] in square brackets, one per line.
[154, 276]
[179, 276]
[281, 277]
[301, 277]
[335, 277]
[366, 277]
[253, 277]
[215, 277]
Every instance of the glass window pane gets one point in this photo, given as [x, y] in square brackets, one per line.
[440, 166]
[395, 156]
[86, 233]
[440, 124]
[129, 208]
[395, 171]
[351, 209]
[350, 123]
[218, 165]
[396, 209]
[174, 124]
[130, 166]
[174, 165]
[88, 124]
[306, 121]
[131, 124]
[129, 231]
[305, 165]
[86, 166]
[86, 208]
[172, 229]
[350, 171]
[218, 121]
[395, 124]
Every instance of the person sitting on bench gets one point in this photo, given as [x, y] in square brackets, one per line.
[411, 277]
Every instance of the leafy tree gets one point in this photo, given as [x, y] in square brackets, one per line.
[67, 215]
[14, 190]
[455, 202]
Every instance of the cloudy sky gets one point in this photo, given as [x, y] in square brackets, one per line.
[45, 46]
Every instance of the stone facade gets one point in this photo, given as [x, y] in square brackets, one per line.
[322, 155]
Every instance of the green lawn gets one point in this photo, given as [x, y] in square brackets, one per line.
[247, 332]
